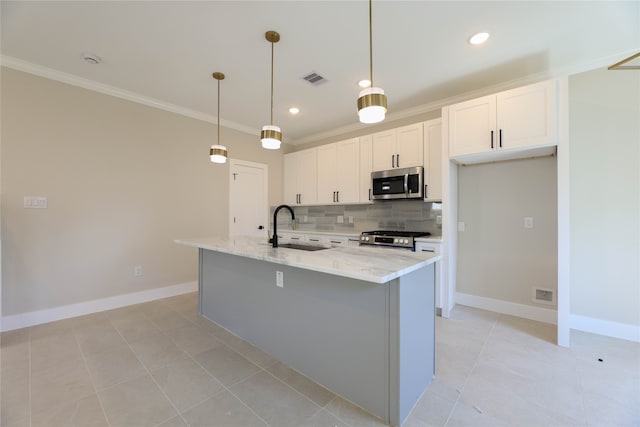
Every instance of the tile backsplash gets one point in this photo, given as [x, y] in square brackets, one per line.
[410, 215]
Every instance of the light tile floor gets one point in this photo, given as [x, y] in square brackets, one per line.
[160, 364]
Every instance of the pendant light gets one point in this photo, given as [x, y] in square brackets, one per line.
[218, 153]
[372, 102]
[271, 136]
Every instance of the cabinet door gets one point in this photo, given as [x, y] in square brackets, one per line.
[470, 126]
[307, 177]
[433, 160]
[527, 116]
[291, 163]
[327, 171]
[410, 146]
[366, 166]
[384, 150]
[348, 171]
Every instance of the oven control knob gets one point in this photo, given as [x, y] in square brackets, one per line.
[406, 241]
[367, 238]
[395, 240]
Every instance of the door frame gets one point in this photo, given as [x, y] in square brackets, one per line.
[265, 168]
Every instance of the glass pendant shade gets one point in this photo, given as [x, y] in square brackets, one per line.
[218, 154]
[271, 137]
[372, 105]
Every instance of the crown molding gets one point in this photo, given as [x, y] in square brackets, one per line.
[70, 79]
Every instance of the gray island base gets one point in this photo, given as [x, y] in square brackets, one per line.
[371, 343]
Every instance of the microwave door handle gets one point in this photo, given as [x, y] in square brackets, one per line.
[406, 184]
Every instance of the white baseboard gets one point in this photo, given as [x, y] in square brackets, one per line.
[511, 308]
[23, 320]
[605, 327]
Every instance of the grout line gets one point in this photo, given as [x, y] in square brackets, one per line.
[475, 364]
[93, 384]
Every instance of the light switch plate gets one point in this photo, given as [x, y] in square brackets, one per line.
[31, 202]
[528, 222]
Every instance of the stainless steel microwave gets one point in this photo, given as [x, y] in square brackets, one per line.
[405, 183]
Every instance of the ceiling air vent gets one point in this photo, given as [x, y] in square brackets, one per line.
[314, 78]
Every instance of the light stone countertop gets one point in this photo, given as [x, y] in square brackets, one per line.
[430, 239]
[377, 265]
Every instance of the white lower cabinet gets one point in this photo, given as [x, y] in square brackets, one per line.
[434, 248]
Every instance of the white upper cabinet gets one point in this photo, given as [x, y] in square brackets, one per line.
[433, 160]
[300, 177]
[366, 167]
[506, 124]
[398, 148]
[338, 172]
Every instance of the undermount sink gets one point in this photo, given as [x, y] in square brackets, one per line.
[301, 247]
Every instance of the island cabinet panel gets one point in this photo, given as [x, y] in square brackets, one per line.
[368, 342]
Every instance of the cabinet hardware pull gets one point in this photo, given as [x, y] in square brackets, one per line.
[500, 136]
[392, 165]
[314, 240]
[335, 241]
[369, 194]
[491, 139]
[338, 196]
[425, 191]
[397, 160]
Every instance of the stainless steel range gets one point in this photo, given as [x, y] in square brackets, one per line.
[398, 239]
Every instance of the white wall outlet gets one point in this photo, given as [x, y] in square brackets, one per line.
[305, 218]
[439, 220]
[279, 279]
[31, 202]
[340, 219]
[528, 222]
[350, 218]
[137, 271]
[462, 226]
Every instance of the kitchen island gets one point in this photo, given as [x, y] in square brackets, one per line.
[359, 321]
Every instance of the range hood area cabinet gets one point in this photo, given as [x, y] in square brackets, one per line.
[300, 178]
[338, 173]
[517, 123]
[398, 148]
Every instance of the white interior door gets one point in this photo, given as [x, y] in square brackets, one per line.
[248, 198]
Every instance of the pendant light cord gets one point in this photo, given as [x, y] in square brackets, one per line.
[271, 84]
[218, 112]
[370, 44]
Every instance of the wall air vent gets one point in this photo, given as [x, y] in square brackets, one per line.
[314, 78]
[544, 296]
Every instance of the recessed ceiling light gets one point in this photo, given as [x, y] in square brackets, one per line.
[479, 38]
[294, 110]
[90, 58]
[364, 83]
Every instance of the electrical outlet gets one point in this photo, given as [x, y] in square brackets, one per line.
[340, 219]
[462, 226]
[279, 279]
[35, 202]
[350, 219]
[137, 271]
[439, 220]
[528, 222]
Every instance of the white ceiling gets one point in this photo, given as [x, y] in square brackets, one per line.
[165, 51]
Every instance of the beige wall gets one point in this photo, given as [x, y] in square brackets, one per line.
[122, 180]
[605, 195]
[497, 257]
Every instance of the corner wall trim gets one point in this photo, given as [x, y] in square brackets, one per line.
[511, 308]
[605, 327]
[32, 318]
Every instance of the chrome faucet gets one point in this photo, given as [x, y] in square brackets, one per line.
[274, 240]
